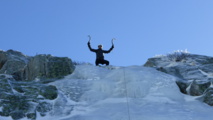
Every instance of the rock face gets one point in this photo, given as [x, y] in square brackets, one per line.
[195, 73]
[23, 88]
[47, 67]
[12, 61]
[27, 68]
[23, 99]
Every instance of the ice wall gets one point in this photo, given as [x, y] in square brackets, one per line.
[124, 93]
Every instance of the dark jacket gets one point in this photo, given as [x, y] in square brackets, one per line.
[100, 52]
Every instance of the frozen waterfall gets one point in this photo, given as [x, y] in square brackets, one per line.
[123, 93]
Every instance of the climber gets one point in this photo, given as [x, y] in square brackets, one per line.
[100, 53]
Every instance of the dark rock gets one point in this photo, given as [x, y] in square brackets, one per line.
[43, 67]
[47, 67]
[12, 61]
[22, 99]
[208, 96]
[4, 86]
[31, 116]
[49, 92]
[43, 108]
[16, 115]
[15, 102]
[183, 86]
[198, 88]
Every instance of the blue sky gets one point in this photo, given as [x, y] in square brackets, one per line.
[143, 28]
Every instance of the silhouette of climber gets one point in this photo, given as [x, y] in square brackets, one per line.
[100, 53]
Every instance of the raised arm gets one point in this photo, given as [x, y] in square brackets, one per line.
[93, 50]
[108, 51]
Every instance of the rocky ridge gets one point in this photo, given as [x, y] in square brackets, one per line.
[195, 73]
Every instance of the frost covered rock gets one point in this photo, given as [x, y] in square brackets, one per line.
[197, 88]
[19, 98]
[195, 72]
[17, 115]
[12, 61]
[43, 108]
[23, 99]
[208, 96]
[49, 92]
[194, 67]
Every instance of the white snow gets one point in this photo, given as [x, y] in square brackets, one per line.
[5, 118]
[123, 93]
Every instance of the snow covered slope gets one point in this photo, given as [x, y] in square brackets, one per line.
[124, 93]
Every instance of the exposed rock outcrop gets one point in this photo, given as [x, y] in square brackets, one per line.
[12, 61]
[195, 73]
[47, 67]
[41, 67]
[208, 96]
[23, 92]
[23, 99]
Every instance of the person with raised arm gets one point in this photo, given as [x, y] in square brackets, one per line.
[100, 53]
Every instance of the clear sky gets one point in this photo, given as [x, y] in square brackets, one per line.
[143, 28]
